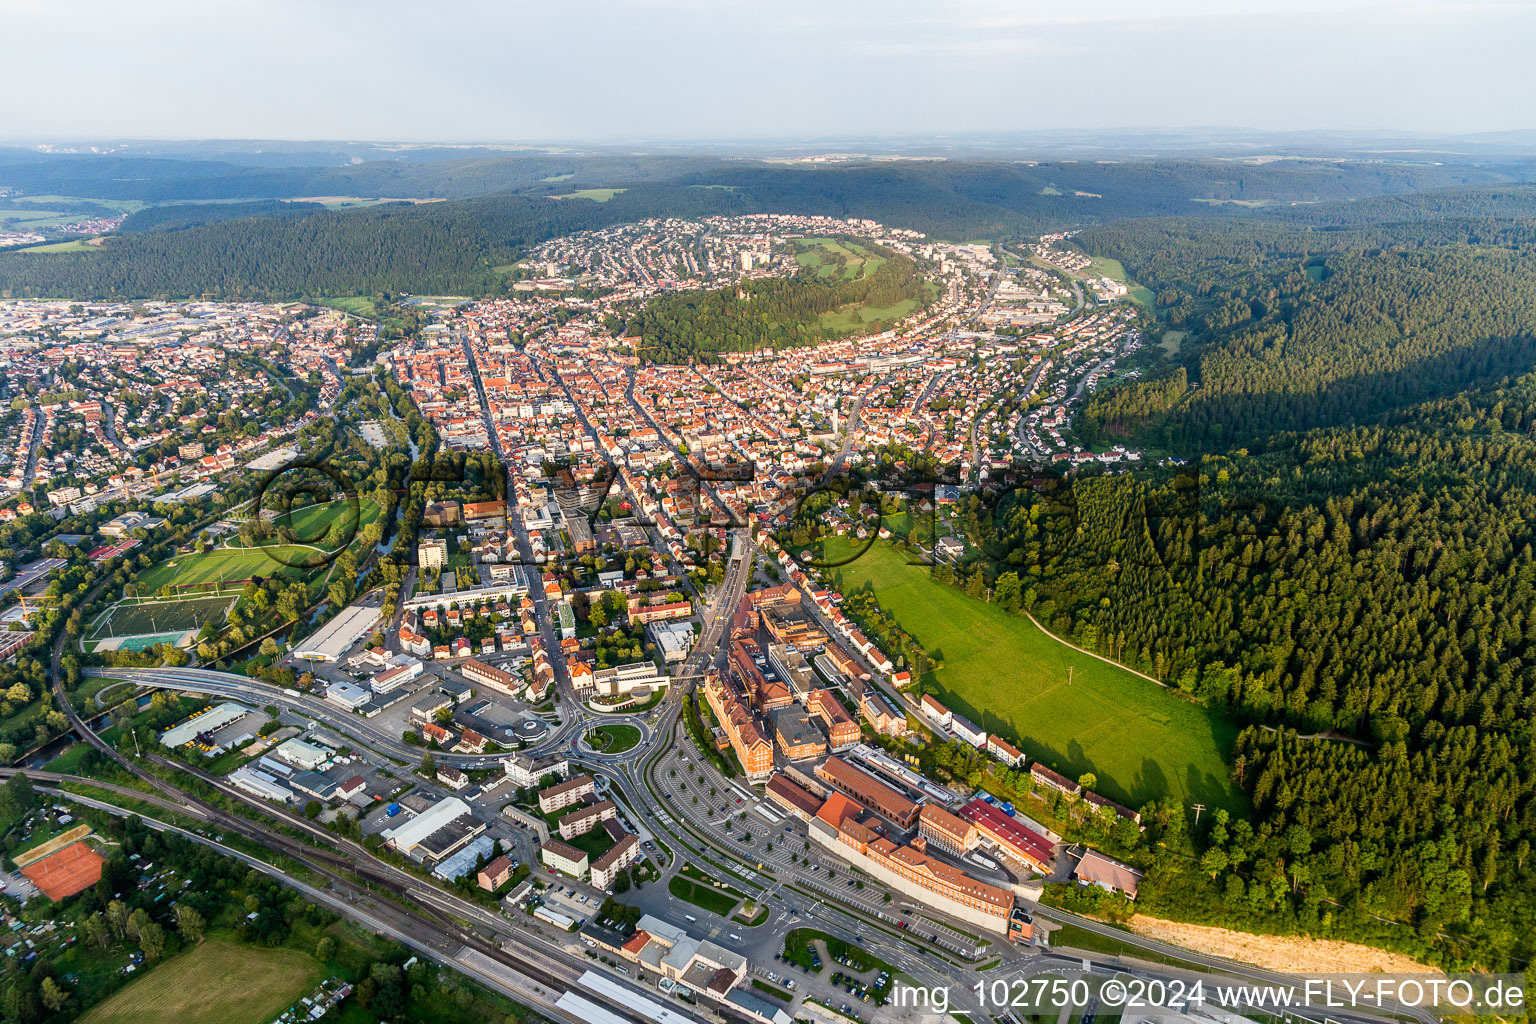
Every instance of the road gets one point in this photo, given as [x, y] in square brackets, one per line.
[530, 566]
[531, 960]
[255, 692]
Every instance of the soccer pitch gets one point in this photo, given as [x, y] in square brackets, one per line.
[1010, 677]
[135, 619]
[137, 623]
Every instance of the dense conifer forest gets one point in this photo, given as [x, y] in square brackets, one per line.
[1341, 557]
[495, 208]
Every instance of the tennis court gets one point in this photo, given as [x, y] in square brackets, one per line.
[73, 869]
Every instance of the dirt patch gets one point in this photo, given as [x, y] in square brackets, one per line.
[1290, 953]
[52, 846]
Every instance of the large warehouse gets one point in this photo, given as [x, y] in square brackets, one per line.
[333, 639]
[436, 832]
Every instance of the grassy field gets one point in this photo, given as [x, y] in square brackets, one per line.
[310, 523]
[357, 305]
[120, 205]
[216, 983]
[23, 217]
[597, 195]
[356, 202]
[614, 739]
[831, 257]
[73, 245]
[594, 843]
[706, 896]
[853, 319]
[1171, 342]
[1103, 266]
[224, 564]
[1010, 677]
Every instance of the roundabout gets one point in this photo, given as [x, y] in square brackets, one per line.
[612, 739]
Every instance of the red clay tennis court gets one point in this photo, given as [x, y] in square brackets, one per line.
[60, 875]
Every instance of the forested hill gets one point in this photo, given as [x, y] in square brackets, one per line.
[1295, 329]
[268, 251]
[776, 312]
[1372, 580]
[1347, 551]
[442, 248]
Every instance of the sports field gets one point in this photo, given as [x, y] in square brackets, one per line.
[60, 875]
[226, 564]
[309, 524]
[1010, 677]
[217, 982]
[137, 618]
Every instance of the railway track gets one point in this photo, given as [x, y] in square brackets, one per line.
[430, 909]
[346, 866]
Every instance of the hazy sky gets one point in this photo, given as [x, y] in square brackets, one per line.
[619, 70]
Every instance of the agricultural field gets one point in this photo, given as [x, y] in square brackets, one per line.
[217, 982]
[355, 202]
[88, 203]
[1011, 677]
[73, 245]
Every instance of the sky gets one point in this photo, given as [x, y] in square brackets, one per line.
[629, 70]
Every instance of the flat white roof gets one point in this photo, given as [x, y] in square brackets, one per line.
[584, 1009]
[214, 718]
[333, 639]
[275, 459]
[424, 824]
[647, 1008]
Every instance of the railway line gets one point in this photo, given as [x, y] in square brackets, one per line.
[354, 871]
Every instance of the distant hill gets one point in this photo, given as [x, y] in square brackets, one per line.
[498, 206]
